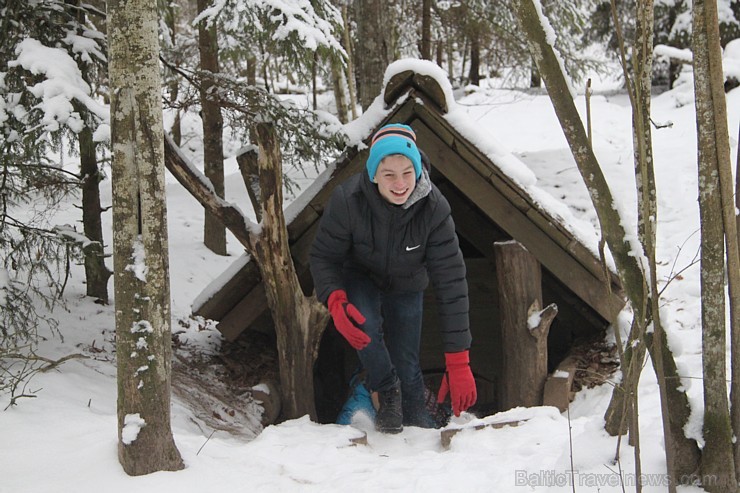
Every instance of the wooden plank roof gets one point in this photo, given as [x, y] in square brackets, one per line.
[479, 192]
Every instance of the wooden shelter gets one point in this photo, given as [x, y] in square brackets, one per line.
[519, 260]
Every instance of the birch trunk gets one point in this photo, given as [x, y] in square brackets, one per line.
[630, 272]
[350, 65]
[340, 90]
[714, 174]
[141, 271]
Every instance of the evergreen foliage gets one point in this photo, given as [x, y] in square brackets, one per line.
[36, 118]
[271, 34]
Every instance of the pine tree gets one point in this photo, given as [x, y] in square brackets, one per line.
[214, 233]
[33, 125]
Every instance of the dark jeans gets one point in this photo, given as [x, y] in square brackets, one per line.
[394, 326]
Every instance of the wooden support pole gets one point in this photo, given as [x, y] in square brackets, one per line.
[524, 326]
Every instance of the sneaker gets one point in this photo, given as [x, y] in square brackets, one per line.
[390, 415]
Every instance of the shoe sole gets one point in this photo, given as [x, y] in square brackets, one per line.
[391, 431]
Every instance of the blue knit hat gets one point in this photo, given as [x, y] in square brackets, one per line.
[395, 138]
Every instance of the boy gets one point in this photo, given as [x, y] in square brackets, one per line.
[384, 234]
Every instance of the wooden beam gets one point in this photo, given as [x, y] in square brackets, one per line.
[229, 295]
[446, 435]
[244, 313]
[398, 84]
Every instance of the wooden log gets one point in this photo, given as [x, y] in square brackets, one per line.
[398, 84]
[267, 394]
[244, 313]
[424, 84]
[360, 440]
[524, 359]
[232, 292]
[558, 385]
[429, 86]
[447, 434]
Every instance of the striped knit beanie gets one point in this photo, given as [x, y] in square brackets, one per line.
[394, 138]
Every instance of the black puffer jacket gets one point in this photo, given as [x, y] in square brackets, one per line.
[399, 249]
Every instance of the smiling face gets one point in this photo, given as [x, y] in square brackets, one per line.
[396, 178]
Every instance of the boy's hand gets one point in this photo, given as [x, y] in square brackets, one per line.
[347, 319]
[459, 382]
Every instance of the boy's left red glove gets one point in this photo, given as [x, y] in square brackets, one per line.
[347, 319]
[459, 382]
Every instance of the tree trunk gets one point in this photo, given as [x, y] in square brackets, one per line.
[639, 85]
[426, 30]
[474, 74]
[450, 44]
[711, 122]
[535, 80]
[735, 392]
[142, 291]
[249, 168]
[314, 81]
[710, 66]
[170, 17]
[299, 320]
[631, 358]
[350, 63]
[96, 272]
[372, 29]
[340, 90]
[611, 228]
[214, 233]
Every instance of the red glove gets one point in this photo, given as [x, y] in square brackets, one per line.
[459, 382]
[347, 318]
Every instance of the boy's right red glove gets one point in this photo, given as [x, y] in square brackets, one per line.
[459, 382]
[347, 318]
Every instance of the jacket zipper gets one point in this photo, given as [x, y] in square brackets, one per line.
[388, 249]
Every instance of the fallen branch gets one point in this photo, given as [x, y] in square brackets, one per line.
[51, 364]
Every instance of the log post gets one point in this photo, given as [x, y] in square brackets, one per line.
[524, 326]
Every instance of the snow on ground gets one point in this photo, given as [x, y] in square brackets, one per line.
[65, 439]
